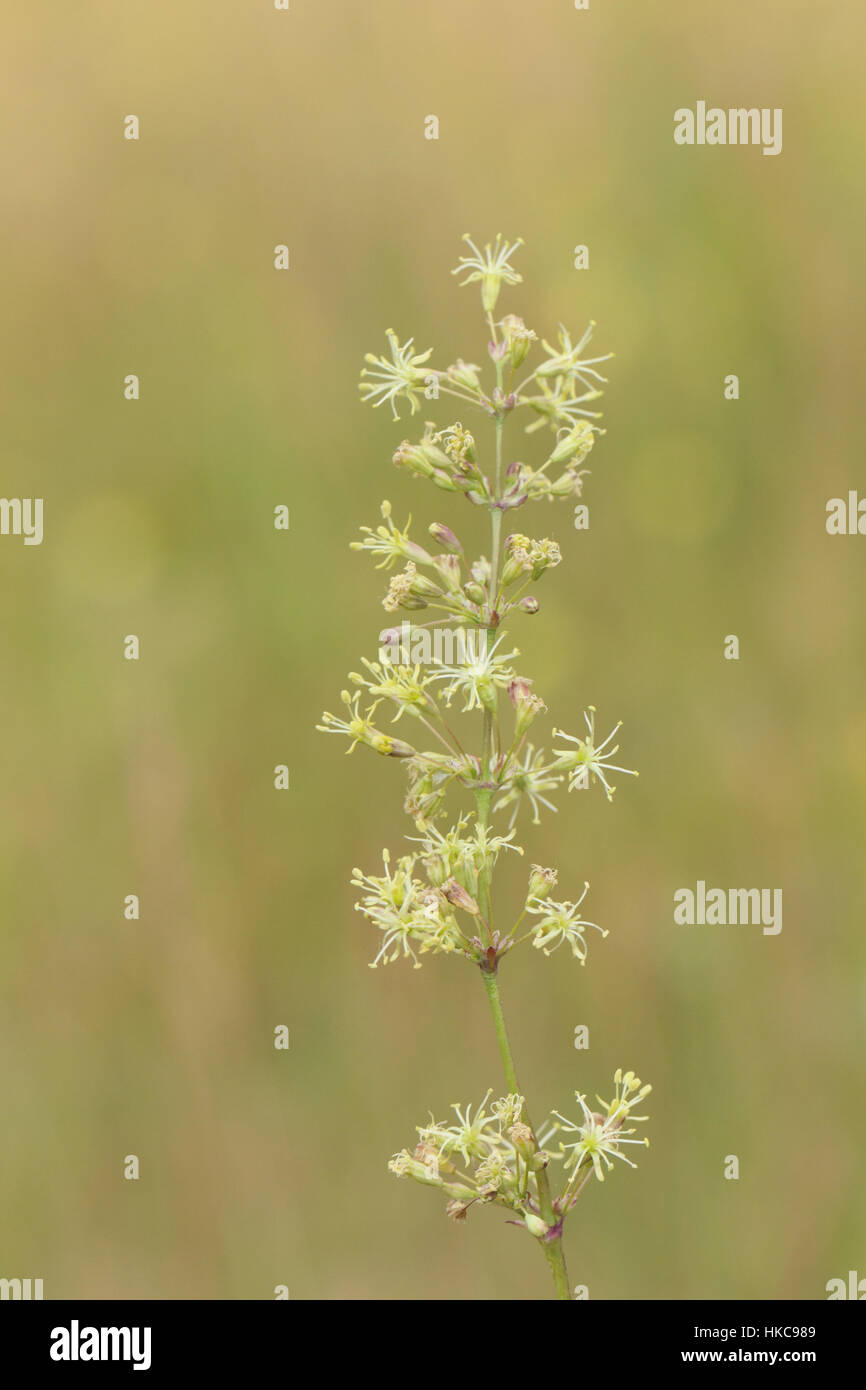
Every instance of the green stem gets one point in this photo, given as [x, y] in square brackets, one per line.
[483, 799]
[490, 735]
[556, 1260]
[491, 984]
[496, 515]
[552, 1243]
[553, 1251]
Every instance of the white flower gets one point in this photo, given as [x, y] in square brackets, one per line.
[494, 1172]
[508, 1110]
[560, 922]
[600, 1136]
[402, 376]
[471, 1137]
[590, 760]
[490, 266]
[560, 406]
[402, 685]
[567, 361]
[360, 729]
[528, 778]
[390, 542]
[479, 677]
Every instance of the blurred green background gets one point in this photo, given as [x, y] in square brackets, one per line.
[707, 518]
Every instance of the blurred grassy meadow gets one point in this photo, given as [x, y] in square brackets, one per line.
[154, 1037]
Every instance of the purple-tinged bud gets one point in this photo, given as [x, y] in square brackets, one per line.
[458, 897]
[520, 689]
[513, 498]
[387, 746]
[528, 604]
[444, 536]
[527, 705]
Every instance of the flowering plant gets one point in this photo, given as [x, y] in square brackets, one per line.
[438, 897]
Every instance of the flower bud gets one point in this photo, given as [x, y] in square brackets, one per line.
[573, 444]
[514, 497]
[541, 882]
[421, 586]
[518, 339]
[517, 560]
[458, 897]
[528, 604]
[526, 705]
[444, 536]
[527, 710]
[421, 458]
[474, 591]
[519, 689]
[442, 480]
[390, 747]
[523, 1139]
[534, 1225]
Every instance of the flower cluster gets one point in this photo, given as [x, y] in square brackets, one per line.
[411, 915]
[489, 1155]
[449, 659]
[492, 1155]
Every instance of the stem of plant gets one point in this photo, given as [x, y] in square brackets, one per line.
[552, 1247]
[553, 1251]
